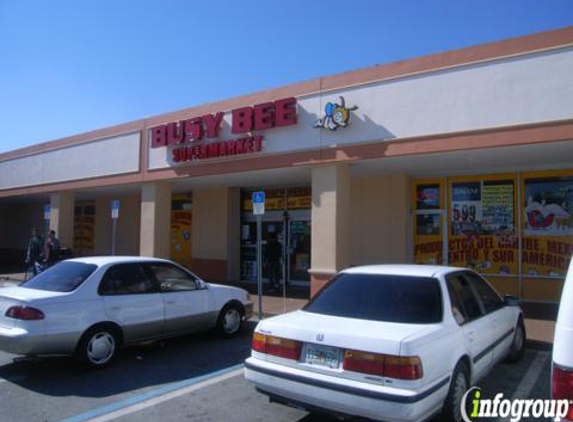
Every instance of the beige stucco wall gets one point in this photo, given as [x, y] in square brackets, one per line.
[330, 248]
[380, 220]
[127, 242]
[210, 223]
[215, 233]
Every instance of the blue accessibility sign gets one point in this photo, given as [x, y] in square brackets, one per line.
[259, 197]
[259, 203]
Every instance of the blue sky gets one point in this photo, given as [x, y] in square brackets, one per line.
[73, 66]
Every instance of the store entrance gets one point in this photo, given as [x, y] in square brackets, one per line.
[290, 226]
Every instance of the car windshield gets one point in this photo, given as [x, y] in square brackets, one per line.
[63, 277]
[388, 298]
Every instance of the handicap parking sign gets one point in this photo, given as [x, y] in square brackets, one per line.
[258, 202]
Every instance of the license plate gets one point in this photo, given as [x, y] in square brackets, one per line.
[322, 355]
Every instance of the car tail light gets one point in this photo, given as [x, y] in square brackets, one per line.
[276, 346]
[259, 343]
[399, 367]
[367, 363]
[25, 313]
[562, 387]
[406, 368]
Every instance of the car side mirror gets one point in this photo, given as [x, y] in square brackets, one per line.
[511, 300]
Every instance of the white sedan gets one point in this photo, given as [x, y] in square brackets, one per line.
[562, 373]
[89, 307]
[388, 342]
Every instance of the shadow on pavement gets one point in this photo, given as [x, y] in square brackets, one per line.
[135, 368]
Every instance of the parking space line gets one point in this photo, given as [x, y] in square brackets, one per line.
[142, 401]
[523, 390]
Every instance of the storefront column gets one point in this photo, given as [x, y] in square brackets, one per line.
[155, 239]
[62, 217]
[215, 233]
[330, 223]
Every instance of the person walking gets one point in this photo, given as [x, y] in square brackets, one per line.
[34, 250]
[273, 261]
[51, 249]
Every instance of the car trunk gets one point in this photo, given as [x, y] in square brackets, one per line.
[20, 296]
[329, 336]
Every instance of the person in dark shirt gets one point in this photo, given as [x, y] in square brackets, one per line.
[34, 250]
[51, 249]
[273, 261]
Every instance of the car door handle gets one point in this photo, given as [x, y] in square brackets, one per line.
[114, 308]
[471, 335]
[495, 323]
[170, 302]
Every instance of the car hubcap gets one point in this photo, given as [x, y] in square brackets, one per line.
[232, 321]
[459, 390]
[518, 342]
[101, 348]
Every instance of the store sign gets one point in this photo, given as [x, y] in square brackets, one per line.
[189, 139]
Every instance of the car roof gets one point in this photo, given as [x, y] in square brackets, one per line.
[104, 260]
[404, 269]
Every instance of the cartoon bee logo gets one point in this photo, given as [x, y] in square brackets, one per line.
[336, 115]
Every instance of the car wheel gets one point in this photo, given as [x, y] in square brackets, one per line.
[517, 349]
[230, 320]
[97, 347]
[452, 410]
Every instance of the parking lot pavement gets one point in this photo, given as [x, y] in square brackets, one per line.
[193, 378]
[56, 389]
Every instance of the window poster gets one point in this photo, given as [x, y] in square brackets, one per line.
[466, 208]
[428, 197]
[428, 238]
[84, 229]
[549, 207]
[547, 226]
[181, 222]
[482, 232]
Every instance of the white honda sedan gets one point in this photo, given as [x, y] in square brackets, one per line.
[89, 307]
[389, 342]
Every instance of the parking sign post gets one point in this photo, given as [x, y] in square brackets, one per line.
[258, 210]
[114, 217]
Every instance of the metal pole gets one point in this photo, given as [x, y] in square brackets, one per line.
[113, 231]
[259, 266]
[286, 256]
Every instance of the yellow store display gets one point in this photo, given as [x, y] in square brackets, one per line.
[482, 229]
[84, 229]
[489, 231]
[181, 219]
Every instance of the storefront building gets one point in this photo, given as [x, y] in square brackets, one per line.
[462, 158]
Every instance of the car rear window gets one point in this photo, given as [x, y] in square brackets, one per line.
[62, 277]
[389, 298]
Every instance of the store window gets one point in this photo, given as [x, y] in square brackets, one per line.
[84, 228]
[522, 247]
[482, 229]
[547, 226]
[428, 218]
[181, 220]
[288, 219]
